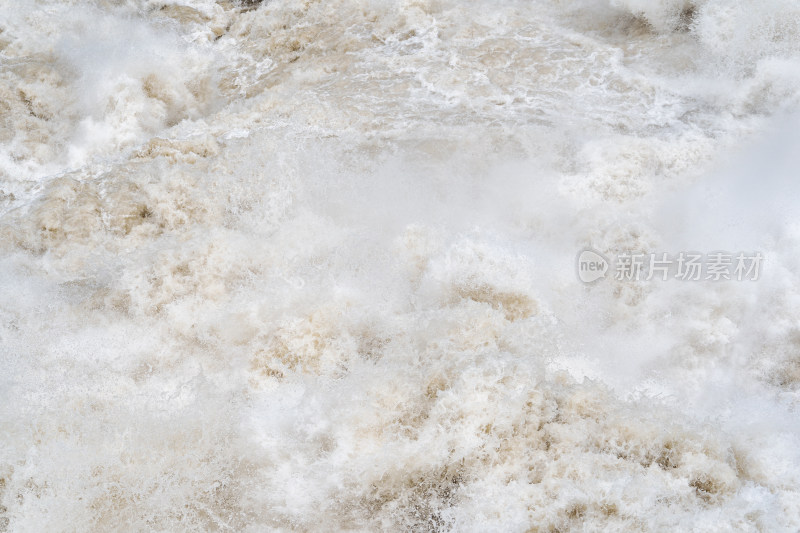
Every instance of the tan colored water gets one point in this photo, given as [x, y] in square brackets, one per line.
[310, 266]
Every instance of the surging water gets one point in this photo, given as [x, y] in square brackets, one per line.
[298, 265]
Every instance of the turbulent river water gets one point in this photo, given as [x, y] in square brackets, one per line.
[302, 265]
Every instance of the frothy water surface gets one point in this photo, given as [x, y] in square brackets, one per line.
[310, 266]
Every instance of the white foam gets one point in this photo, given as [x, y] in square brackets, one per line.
[310, 265]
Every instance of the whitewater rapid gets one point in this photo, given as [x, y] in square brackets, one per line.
[302, 265]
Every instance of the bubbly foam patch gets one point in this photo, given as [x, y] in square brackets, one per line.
[301, 265]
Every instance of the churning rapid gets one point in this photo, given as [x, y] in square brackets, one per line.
[310, 265]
